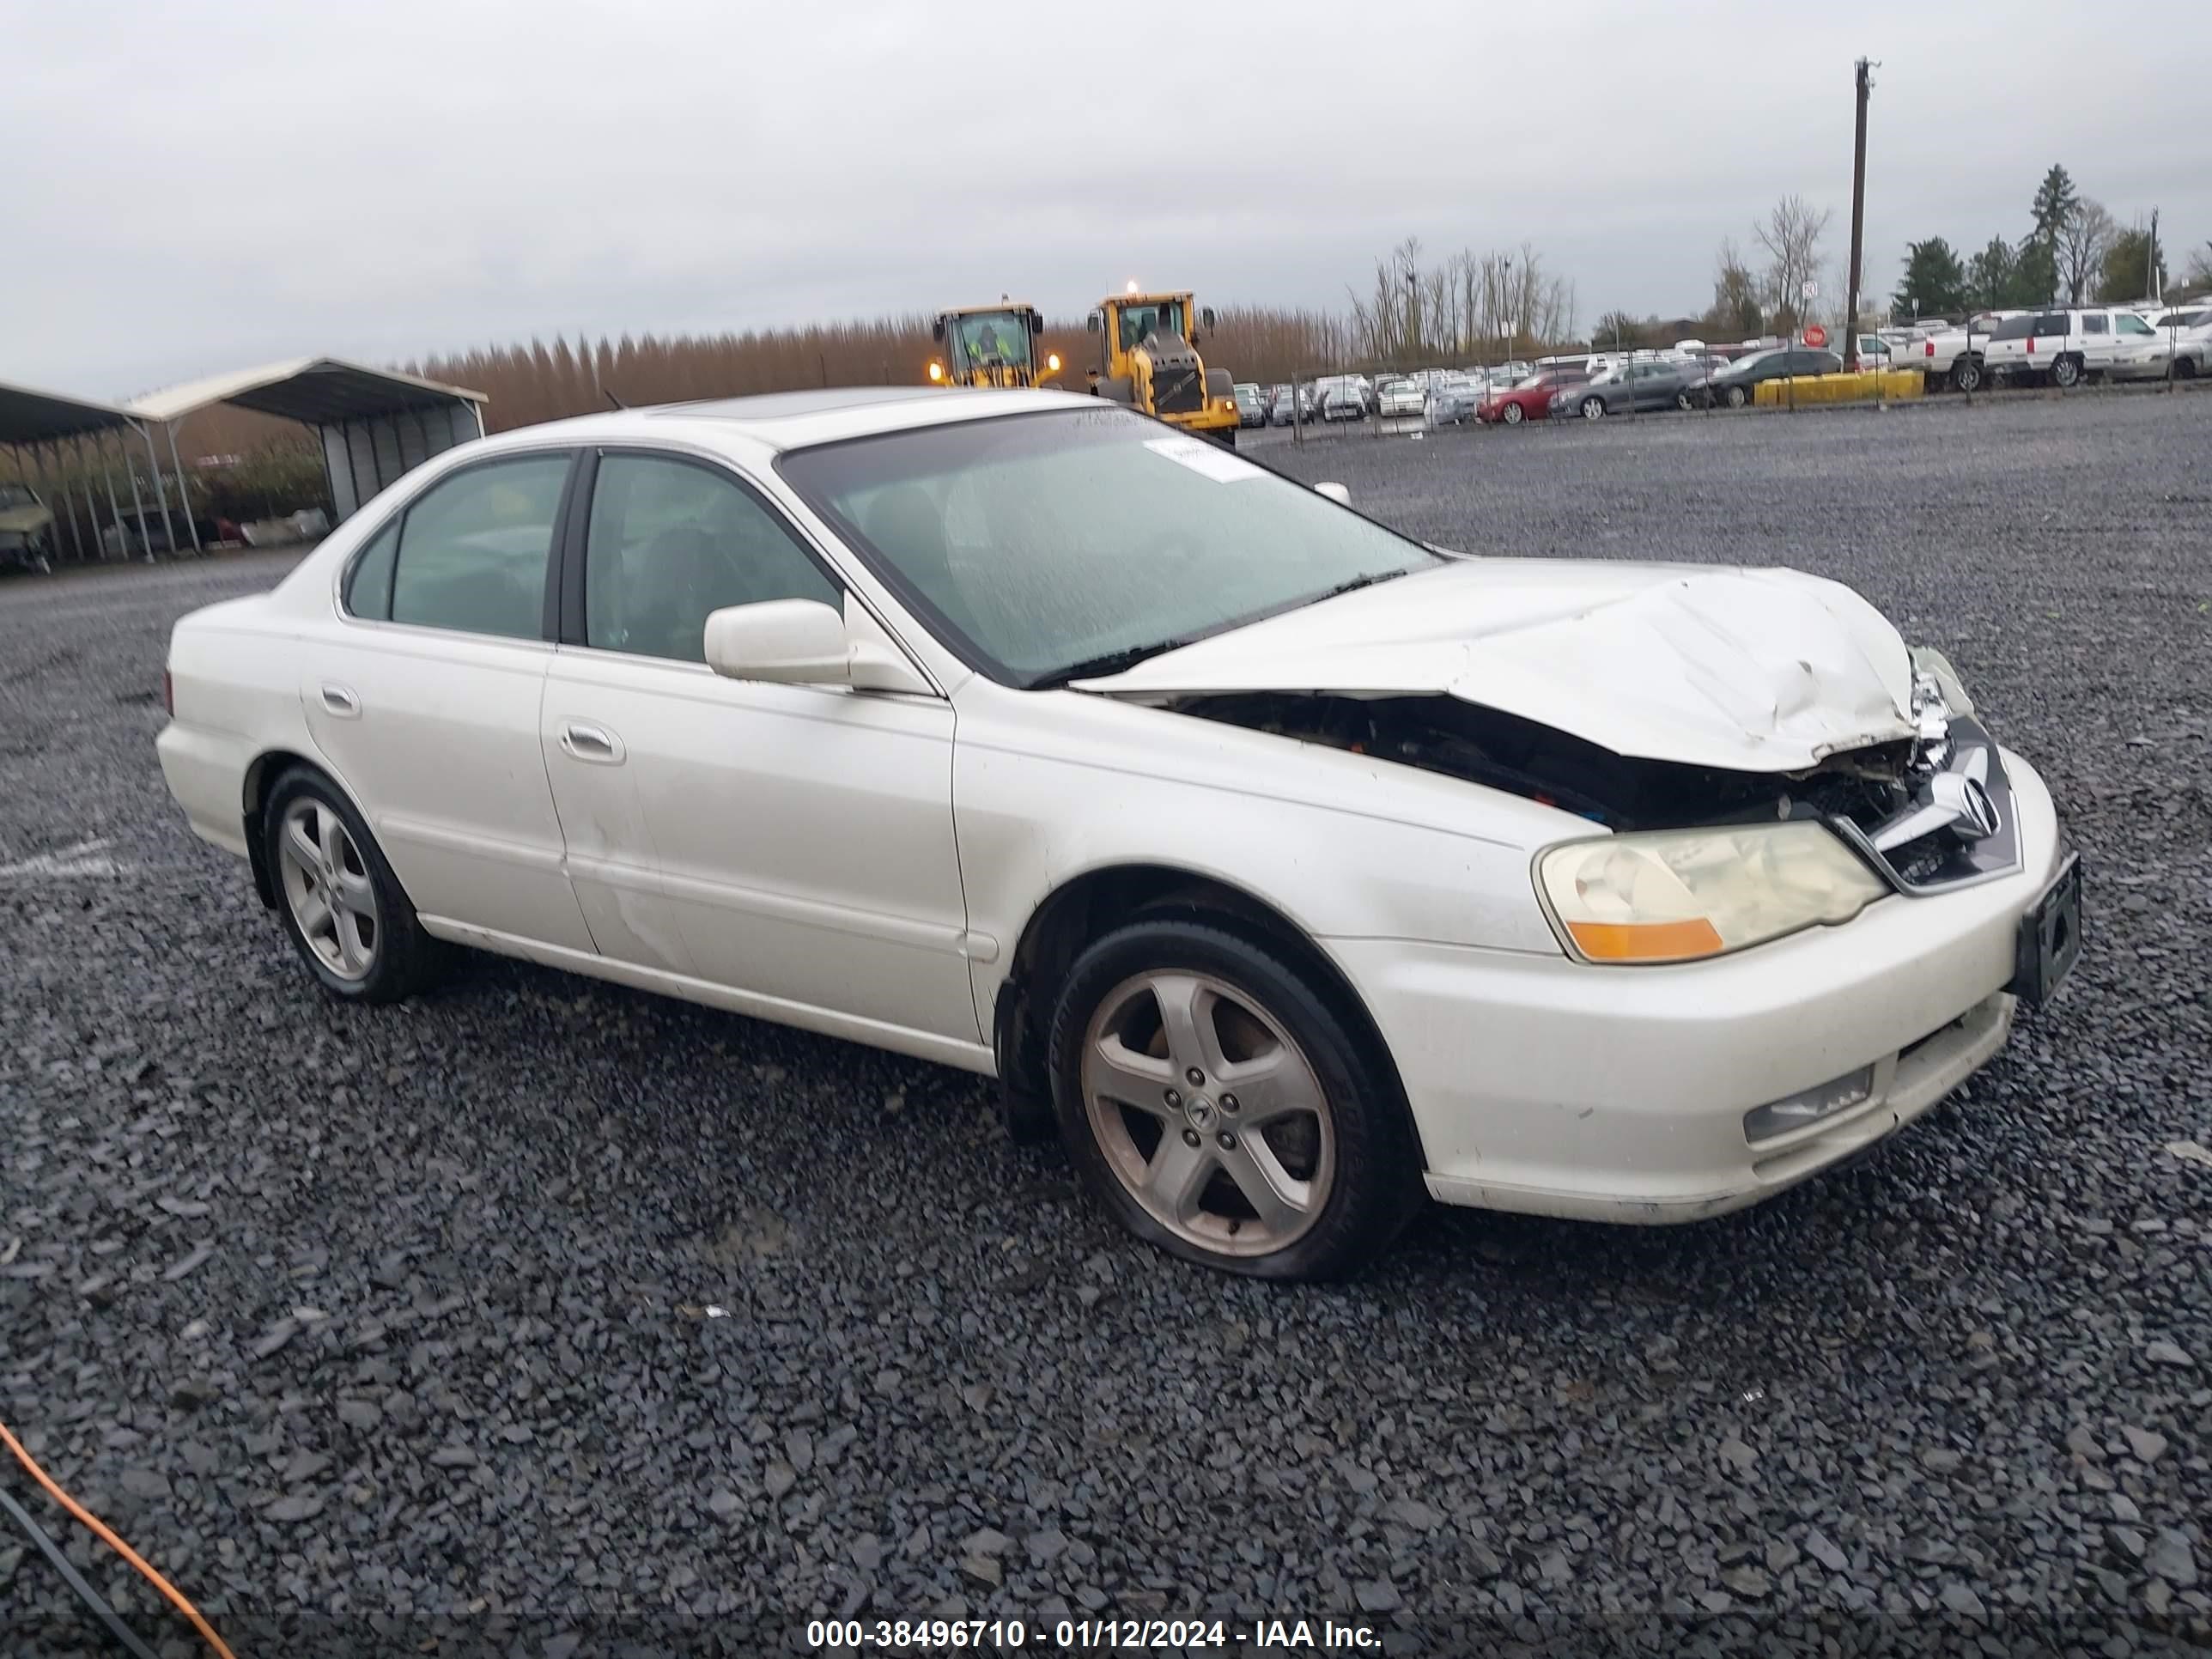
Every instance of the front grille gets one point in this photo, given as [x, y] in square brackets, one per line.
[1177, 392]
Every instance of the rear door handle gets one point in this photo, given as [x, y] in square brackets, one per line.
[592, 743]
[341, 701]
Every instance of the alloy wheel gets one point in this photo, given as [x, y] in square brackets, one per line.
[1512, 414]
[328, 889]
[1208, 1113]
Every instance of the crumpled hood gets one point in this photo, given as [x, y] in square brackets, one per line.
[1754, 671]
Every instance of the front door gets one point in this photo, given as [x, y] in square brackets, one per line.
[793, 842]
[423, 696]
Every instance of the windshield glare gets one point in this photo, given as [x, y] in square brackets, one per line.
[1035, 543]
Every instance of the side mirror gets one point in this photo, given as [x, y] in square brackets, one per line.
[1205, 316]
[937, 329]
[807, 642]
[1335, 492]
[784, 641]
[1094, 323]
[1037, 322]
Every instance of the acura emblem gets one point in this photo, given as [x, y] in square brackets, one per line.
[1973, 814]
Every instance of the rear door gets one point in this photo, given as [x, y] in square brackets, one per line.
[790, 842]
[422, 694]
[2096, 340]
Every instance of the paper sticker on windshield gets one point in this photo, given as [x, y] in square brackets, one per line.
[1207, 460]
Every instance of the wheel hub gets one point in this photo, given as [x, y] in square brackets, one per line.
[1200, 1113]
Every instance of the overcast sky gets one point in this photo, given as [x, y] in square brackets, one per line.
[197, 188]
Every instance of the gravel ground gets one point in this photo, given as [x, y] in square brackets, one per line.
[405, 1331]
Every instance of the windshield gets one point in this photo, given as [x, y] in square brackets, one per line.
[1041, 543]
[994, 339]
[1151, 317]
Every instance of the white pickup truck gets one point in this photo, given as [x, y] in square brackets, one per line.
[1954, 356]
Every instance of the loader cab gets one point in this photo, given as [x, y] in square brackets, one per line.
[1125, 321]
[989, 345]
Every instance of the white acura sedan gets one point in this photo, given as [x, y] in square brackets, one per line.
[1291, 868]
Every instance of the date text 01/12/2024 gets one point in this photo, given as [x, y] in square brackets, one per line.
[1086, 1635]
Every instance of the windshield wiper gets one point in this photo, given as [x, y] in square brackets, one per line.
[1358, 582]
[1113, 662]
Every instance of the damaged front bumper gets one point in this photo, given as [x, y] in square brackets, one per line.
[1542, 1085]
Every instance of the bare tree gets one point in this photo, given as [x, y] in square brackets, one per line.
[2200, 265]
[2084, 236]
[1790, 234]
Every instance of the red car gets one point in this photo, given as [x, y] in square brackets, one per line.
[1531, 400]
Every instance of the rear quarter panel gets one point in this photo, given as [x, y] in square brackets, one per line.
[234, 679]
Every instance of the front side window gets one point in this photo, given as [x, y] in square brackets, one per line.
[472, 550]
[2128, 323]
[1051, 541]
[670, 541]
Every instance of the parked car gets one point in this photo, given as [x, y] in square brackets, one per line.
[1531, 399]
[1453, 401]
[1359, 385]
[2186, 346]
[27, 529]
[1294, 406]
[1397, 398]
[1251, 405]
[1633, 892]
[1734, 384]
[1637, 387]
[1343, 403]
[2065, 347]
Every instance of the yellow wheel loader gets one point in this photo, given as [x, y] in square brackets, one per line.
[990, 345]
[1148, 358]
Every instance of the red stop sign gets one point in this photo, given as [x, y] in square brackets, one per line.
[1815, 335]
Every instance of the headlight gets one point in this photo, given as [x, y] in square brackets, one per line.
[1674, 895]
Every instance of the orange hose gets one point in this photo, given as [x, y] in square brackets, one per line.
[99, 1529]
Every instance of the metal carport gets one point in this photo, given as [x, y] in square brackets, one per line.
[43, 430]
[374, 424]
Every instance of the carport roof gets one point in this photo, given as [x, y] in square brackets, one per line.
[313, 390]
[31, 416]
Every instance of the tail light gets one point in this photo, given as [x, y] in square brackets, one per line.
[1928, 348]
[168, 695]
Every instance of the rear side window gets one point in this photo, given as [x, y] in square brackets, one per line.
[473, 550]
[368, 584]
[2093, 322]
[2013, 328]
[2050, 325]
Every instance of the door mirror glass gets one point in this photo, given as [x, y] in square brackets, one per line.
[1205, 317]
[1094, 323]
[786, 641]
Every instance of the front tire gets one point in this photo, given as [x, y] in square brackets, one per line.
[342, 906]
[1514, 415]
[1219, 1105]
[1592, 409]
[1738, 396]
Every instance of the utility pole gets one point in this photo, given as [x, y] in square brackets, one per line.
[1865, 83]
[2153, 289]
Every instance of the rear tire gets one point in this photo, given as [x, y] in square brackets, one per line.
[1173, 1159]
[1736, 397]
[2185, 368]
[1592, 409]
[2066, 372]
[1966, 375]
[342, 906]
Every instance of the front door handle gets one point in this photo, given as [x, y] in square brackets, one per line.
[592, 744]
[341, 701]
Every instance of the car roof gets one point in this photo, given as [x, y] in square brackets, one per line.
[781, 421]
